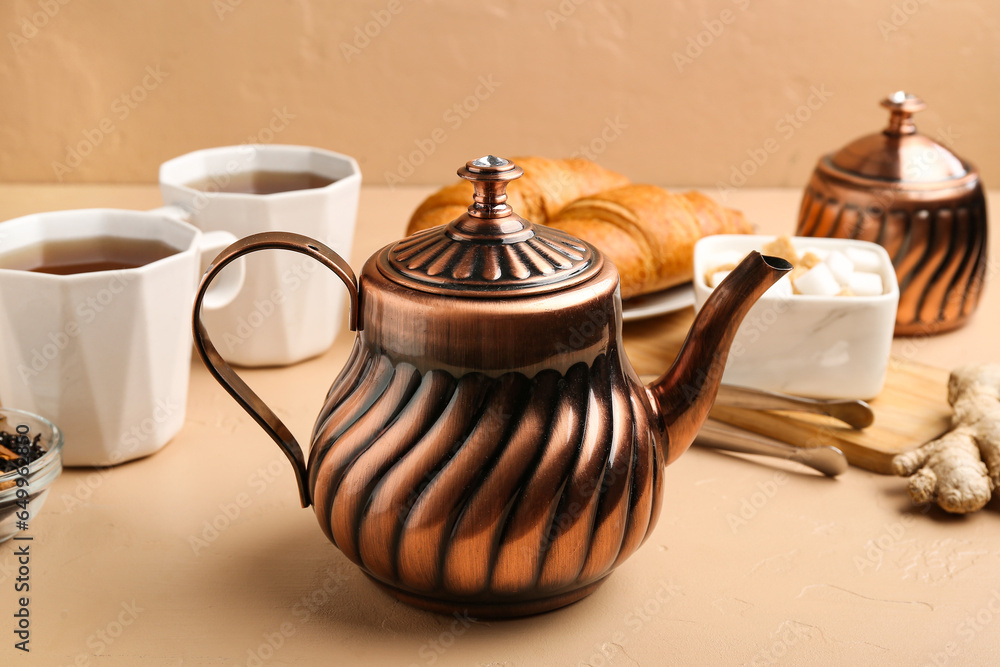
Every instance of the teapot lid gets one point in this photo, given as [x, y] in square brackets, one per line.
[898, 153]
[489, 251]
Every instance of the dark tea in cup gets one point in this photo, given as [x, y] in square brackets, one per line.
[66, 257]
[261, 182]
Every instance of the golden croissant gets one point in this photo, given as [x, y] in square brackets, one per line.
[647, 232]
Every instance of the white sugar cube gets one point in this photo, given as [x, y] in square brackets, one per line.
[716, 278]
[818, 281]
[864, 259]
[864, 283]
[840, 266]
[782, 288]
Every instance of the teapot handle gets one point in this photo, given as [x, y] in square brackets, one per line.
[225, 374]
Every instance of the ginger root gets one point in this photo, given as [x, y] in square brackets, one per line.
[961, 469]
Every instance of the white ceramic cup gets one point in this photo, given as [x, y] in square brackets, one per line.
[288, 310]
[105, 355]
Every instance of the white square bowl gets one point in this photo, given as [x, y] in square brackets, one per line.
[824, 347]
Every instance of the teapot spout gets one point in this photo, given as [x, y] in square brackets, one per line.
[683, 396]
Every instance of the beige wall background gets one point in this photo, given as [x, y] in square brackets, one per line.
[703, 93]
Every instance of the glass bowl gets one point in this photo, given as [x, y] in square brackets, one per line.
[41, 472]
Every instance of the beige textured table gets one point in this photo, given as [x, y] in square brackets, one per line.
[200, 554]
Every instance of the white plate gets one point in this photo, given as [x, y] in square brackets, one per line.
[658, 303]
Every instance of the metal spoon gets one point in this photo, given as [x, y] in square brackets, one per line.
[856, 414]
[826, 459]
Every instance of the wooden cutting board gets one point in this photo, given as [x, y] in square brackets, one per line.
[911, 410]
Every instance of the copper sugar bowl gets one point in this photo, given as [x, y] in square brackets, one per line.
[917, 199]
[488, 447]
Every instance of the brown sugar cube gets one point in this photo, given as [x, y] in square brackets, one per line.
[782, 247]
[845, 292]
[810, 259]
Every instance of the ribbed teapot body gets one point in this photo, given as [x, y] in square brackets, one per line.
[505, 475]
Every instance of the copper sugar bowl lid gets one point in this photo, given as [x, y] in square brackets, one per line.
[490, 251]
[915, 197]
[899, 154]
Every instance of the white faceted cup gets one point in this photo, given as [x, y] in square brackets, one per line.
[104, 355]
[287, 311]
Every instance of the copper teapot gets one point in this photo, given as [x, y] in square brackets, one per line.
[488, 447]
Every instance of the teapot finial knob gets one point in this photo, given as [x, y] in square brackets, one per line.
[902, 106]
[489, 250]
[489, 175]
[490, 161]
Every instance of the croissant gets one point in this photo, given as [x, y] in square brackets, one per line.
[647, 232]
